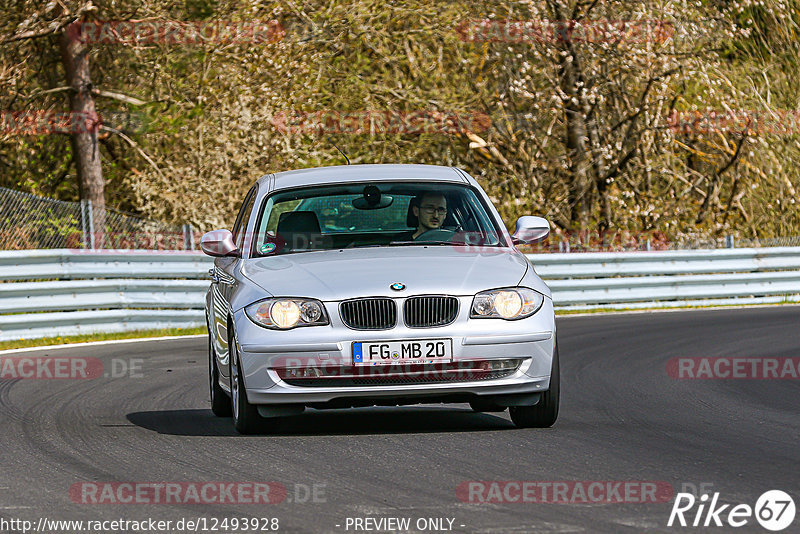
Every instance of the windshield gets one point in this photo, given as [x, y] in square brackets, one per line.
[373, 215]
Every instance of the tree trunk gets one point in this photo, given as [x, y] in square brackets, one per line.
[579, 189]
[85, 124]
[580, 184]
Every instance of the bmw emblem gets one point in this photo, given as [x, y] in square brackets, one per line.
[397, 286]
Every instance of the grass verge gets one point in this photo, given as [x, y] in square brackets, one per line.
[62, 340]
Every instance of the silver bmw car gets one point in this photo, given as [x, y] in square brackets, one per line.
[364, 285]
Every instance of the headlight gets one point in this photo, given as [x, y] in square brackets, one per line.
[510, 303]
[286, 313]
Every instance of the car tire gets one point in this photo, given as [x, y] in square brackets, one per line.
[246, 419]
[544, 413]
[220, 401]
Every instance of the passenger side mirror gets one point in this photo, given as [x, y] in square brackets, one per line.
[530, 230]
[218, 243]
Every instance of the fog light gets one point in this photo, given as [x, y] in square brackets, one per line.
[500, 365]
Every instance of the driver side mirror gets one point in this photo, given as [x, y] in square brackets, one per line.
[218, 243]
[530, 230]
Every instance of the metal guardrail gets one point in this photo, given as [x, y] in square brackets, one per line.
[62, 292]
[46, 293]
[675, 278]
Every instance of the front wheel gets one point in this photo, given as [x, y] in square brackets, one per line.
[220, 401]
[544, 413]
[245, 415]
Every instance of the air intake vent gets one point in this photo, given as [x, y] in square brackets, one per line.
[430, 311]
[369, 314]
[398, 374]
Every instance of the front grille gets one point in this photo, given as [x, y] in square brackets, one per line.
[430, 311]
[401, 374]
[369, 314]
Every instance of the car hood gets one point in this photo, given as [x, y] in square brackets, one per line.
[341, 274]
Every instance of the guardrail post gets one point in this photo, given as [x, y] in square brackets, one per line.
[729, 241]
[188, 237]
[87, 224]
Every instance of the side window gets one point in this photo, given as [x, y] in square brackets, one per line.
[240, 227]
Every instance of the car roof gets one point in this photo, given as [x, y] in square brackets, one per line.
[361, 173]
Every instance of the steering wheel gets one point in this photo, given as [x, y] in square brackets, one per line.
[437, 234]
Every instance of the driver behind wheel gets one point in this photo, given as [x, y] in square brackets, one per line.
[430, 209]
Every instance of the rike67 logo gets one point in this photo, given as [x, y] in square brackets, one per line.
[774, 510]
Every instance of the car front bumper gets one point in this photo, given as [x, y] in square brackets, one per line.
[262, 351]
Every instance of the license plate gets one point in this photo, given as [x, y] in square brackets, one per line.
[403, 352]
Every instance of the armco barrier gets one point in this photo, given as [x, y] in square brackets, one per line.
[45, 293]
[672, 278]
[65, 292]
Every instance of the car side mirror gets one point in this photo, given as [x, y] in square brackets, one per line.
[218, 243]
[530, 230]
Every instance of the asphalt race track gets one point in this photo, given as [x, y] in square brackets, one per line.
[623, 418]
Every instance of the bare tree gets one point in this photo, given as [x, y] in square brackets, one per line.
[54, 20]
[84, 138]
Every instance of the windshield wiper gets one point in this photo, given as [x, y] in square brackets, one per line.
[436, 243]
